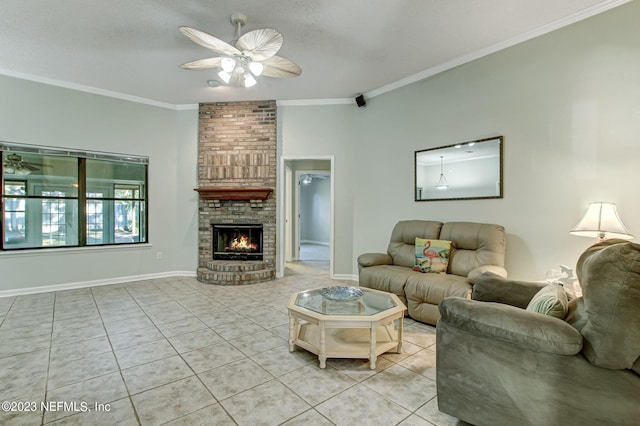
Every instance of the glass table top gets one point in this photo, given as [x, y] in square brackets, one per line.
[370, 303]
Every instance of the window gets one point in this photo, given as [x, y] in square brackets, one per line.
[94, 218]
[127, 211]
[57, 198]
[14, 211]
[54, 223]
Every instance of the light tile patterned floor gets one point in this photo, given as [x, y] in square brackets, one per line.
[311, 252]
[176, 351]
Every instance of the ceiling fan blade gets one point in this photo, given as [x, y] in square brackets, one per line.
[202, 64]
[277, 66]
[30, 167]
[260, 44]
[209, 41]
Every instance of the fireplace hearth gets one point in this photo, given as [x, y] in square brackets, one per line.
[237, 242]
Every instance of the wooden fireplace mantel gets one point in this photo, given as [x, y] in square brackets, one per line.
[234, 194]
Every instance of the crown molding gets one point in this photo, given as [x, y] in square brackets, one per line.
[306, 102]
[552, 26]
[187, 107]
[87, 89]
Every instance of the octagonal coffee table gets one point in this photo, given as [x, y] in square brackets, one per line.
[361, 328]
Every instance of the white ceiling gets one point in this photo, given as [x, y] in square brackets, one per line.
[132, 48]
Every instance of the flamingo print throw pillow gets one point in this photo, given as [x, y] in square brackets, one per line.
[432, 255]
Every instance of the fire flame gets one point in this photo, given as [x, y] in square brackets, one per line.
[242, 243]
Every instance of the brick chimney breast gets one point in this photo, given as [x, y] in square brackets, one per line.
[236, 154]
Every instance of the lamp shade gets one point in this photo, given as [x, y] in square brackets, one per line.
[601, 221]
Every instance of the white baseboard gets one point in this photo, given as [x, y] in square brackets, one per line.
[95, 283]
[345, 277]
[120, 280]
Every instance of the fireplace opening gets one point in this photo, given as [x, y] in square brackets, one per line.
[237, 242]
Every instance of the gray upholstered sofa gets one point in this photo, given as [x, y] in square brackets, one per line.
[475, 248]
[499, 364]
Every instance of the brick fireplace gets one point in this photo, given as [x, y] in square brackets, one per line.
[236, 183]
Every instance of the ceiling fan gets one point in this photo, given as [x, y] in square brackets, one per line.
[252, 54]
[309, 177]
[14, 165]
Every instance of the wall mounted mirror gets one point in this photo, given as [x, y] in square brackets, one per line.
[464, 171]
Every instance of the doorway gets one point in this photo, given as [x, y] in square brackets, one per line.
[314, 213]
[306, 211]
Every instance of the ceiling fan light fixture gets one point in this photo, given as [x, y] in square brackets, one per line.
[225, 76]
[256, 68]
[227, 64]
[23, 172]
[249, 80]
[253, 52]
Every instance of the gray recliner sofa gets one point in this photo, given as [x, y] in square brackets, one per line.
[499, 364]
[475, 248]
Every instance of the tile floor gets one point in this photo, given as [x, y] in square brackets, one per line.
[310, 251]
[175, 351]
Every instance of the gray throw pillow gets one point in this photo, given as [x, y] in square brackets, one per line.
[550, 300]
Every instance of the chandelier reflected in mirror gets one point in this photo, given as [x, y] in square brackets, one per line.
[442, 182]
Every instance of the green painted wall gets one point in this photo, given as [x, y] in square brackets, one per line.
[326, 130]
[568, 105]
[40, 114]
